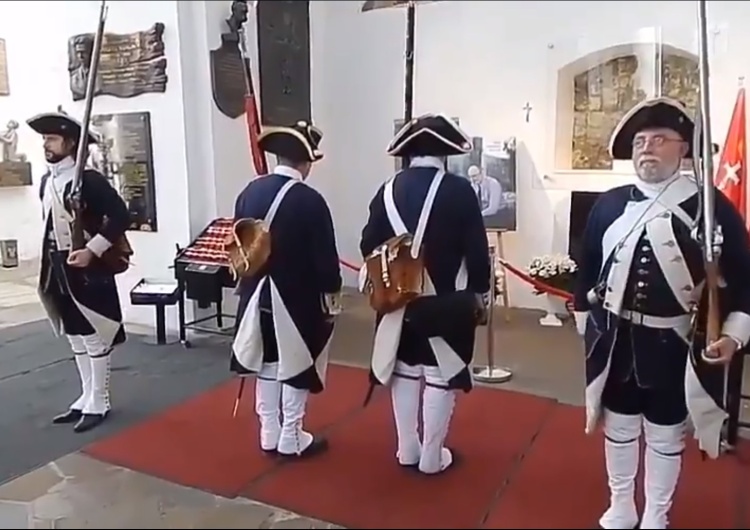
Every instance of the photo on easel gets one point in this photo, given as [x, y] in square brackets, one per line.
[491, 169]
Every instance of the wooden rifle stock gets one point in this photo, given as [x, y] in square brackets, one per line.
[713, 316]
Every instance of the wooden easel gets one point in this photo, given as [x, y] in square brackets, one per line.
[495, 240]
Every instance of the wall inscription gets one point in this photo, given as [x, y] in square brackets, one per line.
[284, 61]
[124, 155]
[131, 64]
[4, 84]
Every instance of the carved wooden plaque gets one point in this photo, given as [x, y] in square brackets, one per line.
[131, 64]
[4, 84]
[284, 61]
[124, 155]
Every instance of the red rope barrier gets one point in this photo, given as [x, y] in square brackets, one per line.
[537, 284]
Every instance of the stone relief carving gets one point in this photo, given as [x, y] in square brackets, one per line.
[9, 144]
[604, 93]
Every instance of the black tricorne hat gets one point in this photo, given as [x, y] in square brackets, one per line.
[299, 143]
[430, 135]
[60, 124]
[661, 112]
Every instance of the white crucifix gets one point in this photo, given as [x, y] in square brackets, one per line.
[527, 109]
[730, 175]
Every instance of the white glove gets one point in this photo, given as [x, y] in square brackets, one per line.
[581, 317]
[332, 304]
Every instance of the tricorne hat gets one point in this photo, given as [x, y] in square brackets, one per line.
[661, 112]
[430, 135]
[60, 124]
[298, 143]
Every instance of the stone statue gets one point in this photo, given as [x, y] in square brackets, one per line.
[237, 19]
[9, 143]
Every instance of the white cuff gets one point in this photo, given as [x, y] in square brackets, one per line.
[100, 244]
[581, 317]
[737, 327]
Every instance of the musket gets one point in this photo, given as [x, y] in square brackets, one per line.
[711, 237]
[76, 203]
[253, 120]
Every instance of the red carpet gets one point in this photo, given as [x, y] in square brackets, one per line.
[562, 484]
[358, 483]
[526, 464]
[199, 444]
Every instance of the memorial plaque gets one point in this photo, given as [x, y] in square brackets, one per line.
[131, 64]
[284, 61]
[4, 84]
[14, 174]
[228, 77]
[124, 155]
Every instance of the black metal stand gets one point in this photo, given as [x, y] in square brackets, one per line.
[141, 295]
[219, 315]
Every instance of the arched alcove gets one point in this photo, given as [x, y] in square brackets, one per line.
[595, 91]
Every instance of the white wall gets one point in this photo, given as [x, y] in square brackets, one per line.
[482, 61]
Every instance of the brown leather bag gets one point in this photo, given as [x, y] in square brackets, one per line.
[248, 247]
[394, 277]
[117, 258]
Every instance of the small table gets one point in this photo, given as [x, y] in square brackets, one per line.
[159, 294]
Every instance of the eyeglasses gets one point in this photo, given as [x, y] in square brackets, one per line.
[656, 141]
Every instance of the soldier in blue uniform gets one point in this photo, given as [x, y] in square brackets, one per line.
[285, 313]
[77, 291]
[641, 276]
[433, 337]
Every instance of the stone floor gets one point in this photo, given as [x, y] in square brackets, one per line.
[48, 484]
[79, 492]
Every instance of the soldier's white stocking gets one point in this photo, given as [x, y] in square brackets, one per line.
[83, 366]
[99, 354]
[663, 463]
[621, 451]
[294, 440]
[437, 410]
[405, 394]
[268, 406]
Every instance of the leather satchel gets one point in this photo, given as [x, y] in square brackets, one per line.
[394, 277]
[248, 247]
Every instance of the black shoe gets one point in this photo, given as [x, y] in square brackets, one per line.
[69, 416]
[89, 421]
[318, 446]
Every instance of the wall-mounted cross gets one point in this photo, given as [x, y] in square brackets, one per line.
[527, 109]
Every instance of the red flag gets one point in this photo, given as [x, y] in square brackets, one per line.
[731, 175]
[253, 130]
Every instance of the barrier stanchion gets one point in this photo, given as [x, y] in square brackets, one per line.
[491, 373]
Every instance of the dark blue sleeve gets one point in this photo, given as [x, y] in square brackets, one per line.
[102, 199]
[476, 248]
[323, 244]
[734, 261]
[590, 259]
[377, 230]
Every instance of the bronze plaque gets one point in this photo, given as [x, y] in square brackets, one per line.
[125, 156]
[131, 64]
[284, 61]
[4, 84]
[14, 174]
[228, 77]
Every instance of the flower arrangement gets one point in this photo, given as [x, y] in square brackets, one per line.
[555, 270]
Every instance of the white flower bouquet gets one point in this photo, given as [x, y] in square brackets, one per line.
[555, 270]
